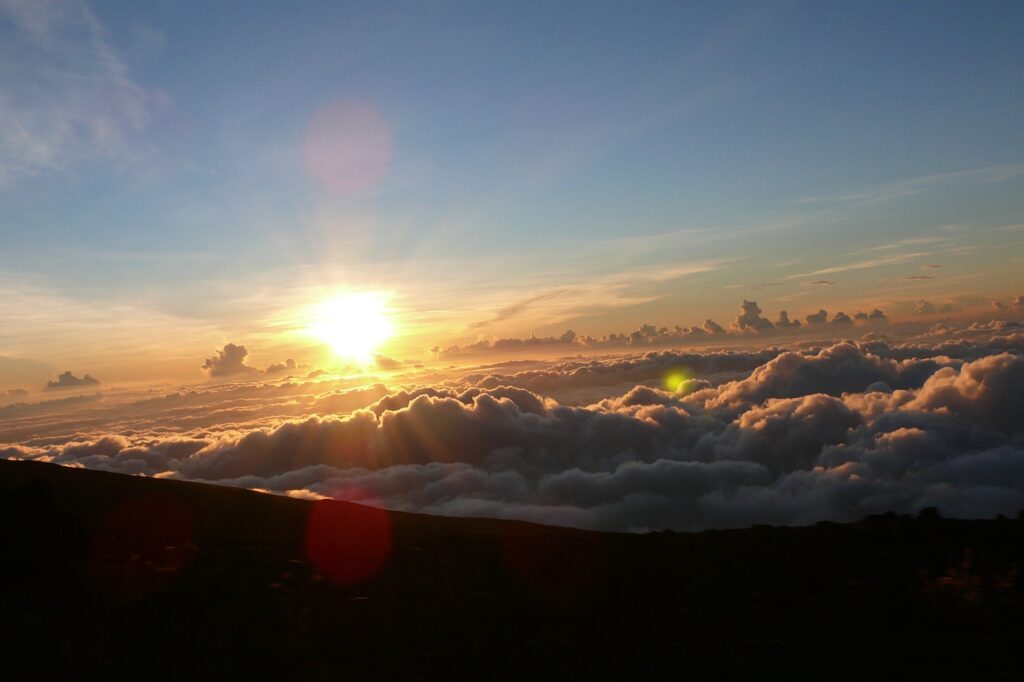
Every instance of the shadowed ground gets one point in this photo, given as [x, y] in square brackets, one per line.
[140, 577]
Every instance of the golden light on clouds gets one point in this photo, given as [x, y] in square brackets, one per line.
[353, 324]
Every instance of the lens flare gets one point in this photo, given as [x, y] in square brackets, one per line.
[675, 379]
[348, 147]
[348, 542]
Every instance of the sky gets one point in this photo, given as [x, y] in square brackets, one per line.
[177, 177]
[621, 266]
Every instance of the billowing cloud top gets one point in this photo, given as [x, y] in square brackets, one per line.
[663, 439]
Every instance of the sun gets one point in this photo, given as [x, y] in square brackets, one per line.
[353, 324]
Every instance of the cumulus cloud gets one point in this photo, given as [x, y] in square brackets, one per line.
[841, 319]
[750, 318]
[779, 435]
[68, 380]
[1015, 307]
[230, 362]
[385, 362]
[820, 317]
[288, 365]
[876, 316]
[645, 335]
[784, 322]
[712, 327]
[923, 307]
[835, 370]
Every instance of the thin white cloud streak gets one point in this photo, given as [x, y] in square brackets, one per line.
[913, 241]
[862, 265]
[910, 187]
[575, 298]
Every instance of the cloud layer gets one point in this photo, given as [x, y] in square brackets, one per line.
[783, 435]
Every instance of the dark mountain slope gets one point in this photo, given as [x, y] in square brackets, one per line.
[139, 577]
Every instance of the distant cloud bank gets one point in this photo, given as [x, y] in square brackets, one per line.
[68, 380]
[749, 321]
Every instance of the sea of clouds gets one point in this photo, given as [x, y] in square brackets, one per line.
[785, 434]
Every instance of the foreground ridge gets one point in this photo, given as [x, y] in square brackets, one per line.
[137, 576]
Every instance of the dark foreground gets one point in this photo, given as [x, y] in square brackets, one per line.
[142, 578]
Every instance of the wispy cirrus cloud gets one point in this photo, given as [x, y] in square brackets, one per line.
[910, 187]
[863, 265]
[511, 311]
[66, 96]
[572, 297]
[913, 241]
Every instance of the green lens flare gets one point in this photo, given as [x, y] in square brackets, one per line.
[675, 379]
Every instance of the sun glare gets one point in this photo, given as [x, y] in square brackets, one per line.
[354, 325]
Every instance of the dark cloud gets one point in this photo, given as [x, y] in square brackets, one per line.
[67, 380]
[750, 320]
[278, 367]
[876, 316]
[784, 322]
[645, 335]
[385, 362]
[820, 317]
[820, 282]
[923, 307]
[229, 361]
[712, 327]
[841, 319]
[11, 392]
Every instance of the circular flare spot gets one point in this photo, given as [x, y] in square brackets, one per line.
[676, 379]
[350, 543]
[348, 147]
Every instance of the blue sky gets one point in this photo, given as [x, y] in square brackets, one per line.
[659, 161]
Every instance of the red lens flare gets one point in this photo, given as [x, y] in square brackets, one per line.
[348, 147]
[349, 543]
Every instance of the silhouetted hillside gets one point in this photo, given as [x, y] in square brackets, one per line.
[137, 577]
